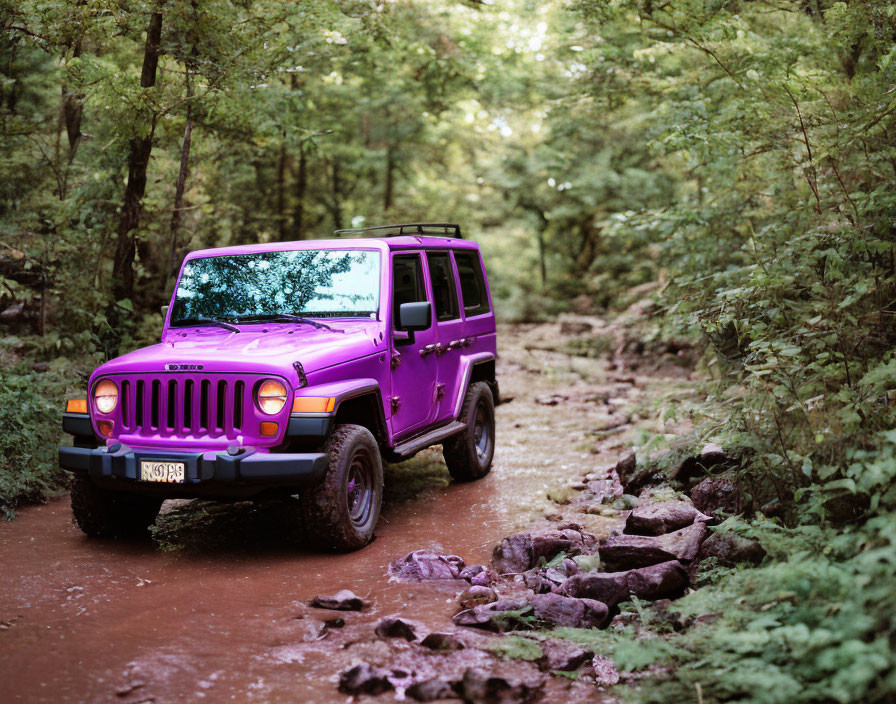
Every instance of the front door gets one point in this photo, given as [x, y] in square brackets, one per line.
[414, 375]
[449, 328]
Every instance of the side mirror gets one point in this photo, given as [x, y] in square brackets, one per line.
[415, 316]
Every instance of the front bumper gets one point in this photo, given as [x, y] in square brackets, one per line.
[244, 466]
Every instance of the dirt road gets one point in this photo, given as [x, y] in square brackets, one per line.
[215, 606]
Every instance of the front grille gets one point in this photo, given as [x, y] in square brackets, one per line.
[171, 404]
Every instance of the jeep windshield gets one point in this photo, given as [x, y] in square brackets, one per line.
[272, 286]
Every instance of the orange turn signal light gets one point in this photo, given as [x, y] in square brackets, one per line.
[106, 427]
[76, 405]
[268, 428]
[312, 404]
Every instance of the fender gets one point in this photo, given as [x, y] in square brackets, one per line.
[340, 390]
[464, 372]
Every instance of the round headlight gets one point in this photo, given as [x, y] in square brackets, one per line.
[271, 396]
[105, 396]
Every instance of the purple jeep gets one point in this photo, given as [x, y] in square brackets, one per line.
[295, 367]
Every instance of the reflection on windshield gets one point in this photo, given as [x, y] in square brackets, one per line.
[313, 283]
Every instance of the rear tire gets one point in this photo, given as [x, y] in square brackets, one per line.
[341, 512]
[101, 513]
[469, 453]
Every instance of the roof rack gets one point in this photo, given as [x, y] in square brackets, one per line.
[429, 229]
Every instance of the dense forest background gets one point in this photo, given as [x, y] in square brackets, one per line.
[733, 159]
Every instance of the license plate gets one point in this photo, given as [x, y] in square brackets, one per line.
[161, 471]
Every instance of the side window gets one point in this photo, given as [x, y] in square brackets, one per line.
[472, 283]
[407, 282]
[443, 285]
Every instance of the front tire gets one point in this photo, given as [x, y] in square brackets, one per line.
[469, 453]
[101, 513]
[342, 511]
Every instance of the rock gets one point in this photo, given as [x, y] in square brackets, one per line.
[559, 610]
[605, 672]
[718, 493]
[501, 614]
[397, 627]
[563, 655]
[482, 687]
[536, 581]
[343, 600]
[731, 549]
[575, 327]
[476, 595]
[521, 551]
[659, 517]
[710, 457]
[443, 642]
[40, 367]
[552, 400]
[634, 478]
[365, 679]
[622, 552]
[667, 579]
[479, 575]
[426, 564]
[431, 690]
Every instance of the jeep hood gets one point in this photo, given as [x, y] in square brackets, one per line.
[269, 348]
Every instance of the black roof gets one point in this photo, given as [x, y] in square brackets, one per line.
[427, 229]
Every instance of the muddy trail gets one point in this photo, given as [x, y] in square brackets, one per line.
[216, 605]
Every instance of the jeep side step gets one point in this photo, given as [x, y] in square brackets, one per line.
[409, 448]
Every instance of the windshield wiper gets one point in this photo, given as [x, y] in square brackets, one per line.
[286, 317]
[189, 322]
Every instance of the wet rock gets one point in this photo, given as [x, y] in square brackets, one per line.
[575, 327]
[660, 517]
[632, 477]
[709, 458]
[334, 623]
[476, 595]
[503, 614]
[426, 564]
[522, 551]
[364, 678]
[563, 655]
[443, 642]
[621, 552]
[667, 579]
[730, 549]
[717, 494]
[559, 610]
[479, 575]
[431, 690]
[552, 400]
[483, 687]
[605, 672]
[343, 600]
[397, 627]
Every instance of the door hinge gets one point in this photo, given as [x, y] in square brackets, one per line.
[395, 360]
[440, 391]
[394, 403]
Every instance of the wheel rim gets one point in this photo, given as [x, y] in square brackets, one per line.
[359, 489]
[482, 436]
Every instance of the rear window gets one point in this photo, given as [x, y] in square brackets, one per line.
[472, 283]
[442, 279]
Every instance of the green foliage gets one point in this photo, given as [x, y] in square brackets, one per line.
[30, 416]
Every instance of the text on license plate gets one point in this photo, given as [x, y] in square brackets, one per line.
[160, 471]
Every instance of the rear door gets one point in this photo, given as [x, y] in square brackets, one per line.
[414, 365]
[449, 329]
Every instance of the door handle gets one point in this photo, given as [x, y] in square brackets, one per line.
[429, 349]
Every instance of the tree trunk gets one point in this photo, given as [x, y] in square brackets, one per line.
[298, 225]
[138, 161]
[390, 178]
[72, 108]
[281, 191]
[181, 185]
[337, 195]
